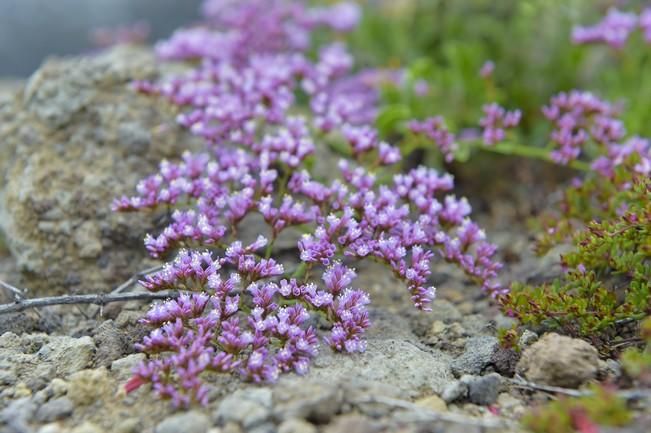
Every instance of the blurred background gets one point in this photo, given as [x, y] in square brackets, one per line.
[439, 45]
[31, 30]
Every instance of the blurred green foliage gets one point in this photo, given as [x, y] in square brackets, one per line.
[445, 43]
[637, 361]
[582, 414]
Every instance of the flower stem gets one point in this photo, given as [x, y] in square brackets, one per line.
[270, 247]
[541, 153]
[300, 270]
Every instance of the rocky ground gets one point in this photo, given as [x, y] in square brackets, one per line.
[74, 136]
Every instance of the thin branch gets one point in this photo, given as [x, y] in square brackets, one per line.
[98, 299]
[628, 394]
[135, 277]
[127, 284]
[428, 415]
[18, 294]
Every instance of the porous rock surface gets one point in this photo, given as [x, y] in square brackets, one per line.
[57, 382]
[74, 137]
[560, 361]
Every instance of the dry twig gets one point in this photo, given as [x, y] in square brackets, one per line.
[22, 303]
[16, 292]
[423, 414]
[98, 299]
[628, 394]
[134, 279]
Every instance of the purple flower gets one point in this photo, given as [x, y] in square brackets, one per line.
[434, 129]
[496, 121]
[487, 69]
[579, 117]
[351, 321]
[645, 24]
[614, 29]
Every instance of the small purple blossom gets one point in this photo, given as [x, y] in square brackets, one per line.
[635, 147]
[434, 129]
[487, 69]
[496, 121]
[421, 88]
[577, 118]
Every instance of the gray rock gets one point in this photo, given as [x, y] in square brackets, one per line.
[87, 427]
[129, 425]
[122, 368]
[268, 427]
[353, 423]
[609, 369]
[77, 137]
[68, 354]
[53, 410]
[504, 361]
[54, 427]
[314, 401]
[476, 357]
[188, 422]
[504, 322]
[527, 338]
[88, 386]
[484, 390]
[559, 361]
[454, 391]
[393, 356]
[35, 359]
[110, 342]
[249, 407]
[296, 426]
[16, 417]
[357, 392]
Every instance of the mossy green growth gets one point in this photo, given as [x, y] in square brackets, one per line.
[583, 414]
[593, 198]
[636, 362]
[608, 278]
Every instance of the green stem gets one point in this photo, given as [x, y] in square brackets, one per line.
[270, 247]
[300, 270]
[283, 182]
[541, 153]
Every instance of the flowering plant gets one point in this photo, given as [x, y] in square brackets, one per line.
[264, 107]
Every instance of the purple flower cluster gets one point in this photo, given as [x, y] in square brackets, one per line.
[636, 149]
[487, 69]
[236, 30]
[434, 129]
[579, 117]
[645, 24]
[496, 121]
[614, 29]
[241, 323]
[241, 313]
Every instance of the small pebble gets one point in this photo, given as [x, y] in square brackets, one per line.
[433, 402]
[187, 422]
[296, 426]
[54, 410]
